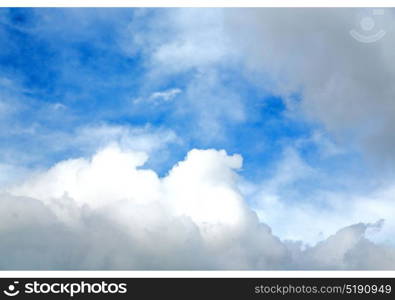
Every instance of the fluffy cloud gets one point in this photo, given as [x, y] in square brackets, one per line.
[109, 212]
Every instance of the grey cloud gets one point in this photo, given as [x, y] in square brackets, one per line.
[344, 84]
[33, 238]
[348, 249]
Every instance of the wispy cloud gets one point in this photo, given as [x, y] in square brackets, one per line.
[159, 97]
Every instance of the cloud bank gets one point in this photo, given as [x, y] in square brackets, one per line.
[109, 212]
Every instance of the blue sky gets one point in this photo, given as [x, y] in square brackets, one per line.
[61, 76]
[312, 126]
[76, 67]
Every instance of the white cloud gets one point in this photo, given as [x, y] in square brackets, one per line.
[213, 106]
[158, 97]
[146, 138]
[304, 195]
[84, 141]
[109, 212]
[191, 42]
[177, 40]
[58, 106]
[347, 249]
[10, 93]
[165, 95]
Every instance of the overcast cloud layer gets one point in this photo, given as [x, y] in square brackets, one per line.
[197, 139]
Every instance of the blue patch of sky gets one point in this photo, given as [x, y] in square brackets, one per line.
[97, 83]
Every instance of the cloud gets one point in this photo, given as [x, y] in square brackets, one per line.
[109, 212]
[166, 95]
[158, 97]
[348, 249]
[192, 47]
[114, 210]
[10, 173]
[344, 84]
[83, 140]
[10, 93]
[178, 40]
[328, 197]
[146, 138]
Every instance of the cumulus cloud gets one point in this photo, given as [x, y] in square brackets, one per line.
[109, 212]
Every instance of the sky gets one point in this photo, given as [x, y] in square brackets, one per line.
[197, 138]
